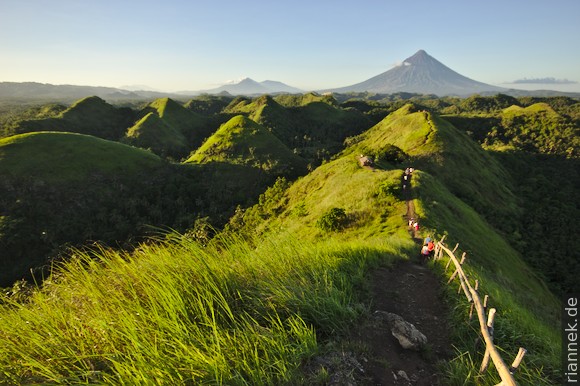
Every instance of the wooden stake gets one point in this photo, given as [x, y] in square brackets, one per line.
[518, 360]
[500, 366]
[487, 355]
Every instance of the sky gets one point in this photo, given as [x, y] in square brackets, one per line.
[180, 45]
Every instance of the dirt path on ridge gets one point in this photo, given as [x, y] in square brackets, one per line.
[413, 291]
[370, 354]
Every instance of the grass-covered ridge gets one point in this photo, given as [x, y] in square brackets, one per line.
[176, 312]
[372, 202]
[61, 157]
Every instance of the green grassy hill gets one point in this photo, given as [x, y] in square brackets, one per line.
[58, 157]
[208, 105]
[91, 115]
[59, 188]
[289, 276]
[191, 124]
[373, 205]
[243, 141]
[314, 126]
[152, 132]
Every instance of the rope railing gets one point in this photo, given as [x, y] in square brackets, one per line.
[485, 323]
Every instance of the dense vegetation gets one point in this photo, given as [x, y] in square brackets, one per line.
[286, 275]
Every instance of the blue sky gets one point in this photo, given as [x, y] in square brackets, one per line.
[177, 45]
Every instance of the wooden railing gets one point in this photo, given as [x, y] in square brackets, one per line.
[486, 324]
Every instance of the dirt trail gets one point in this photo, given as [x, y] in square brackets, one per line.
[412, 291]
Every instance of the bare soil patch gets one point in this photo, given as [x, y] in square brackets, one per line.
[413, 292]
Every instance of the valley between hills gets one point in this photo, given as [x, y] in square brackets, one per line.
[237, 240]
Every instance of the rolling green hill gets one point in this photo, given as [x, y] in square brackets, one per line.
[91, 115]
[152, 132]
[314, 126]
[60, 189]
[373, 205]
[175, 131]
[59, 157]
[243, 141]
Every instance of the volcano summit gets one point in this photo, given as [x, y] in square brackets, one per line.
[423, 74]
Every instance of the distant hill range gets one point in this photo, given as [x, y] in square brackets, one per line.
[422, 74]
[249, 86]
[418, 74]
[69, 93]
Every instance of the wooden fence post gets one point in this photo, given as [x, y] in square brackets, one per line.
[473, 304]
[486, 326]
[457, 270]
[522, 351]
[487, 355]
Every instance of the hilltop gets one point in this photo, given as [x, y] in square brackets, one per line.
[90, 115]
[243, 141]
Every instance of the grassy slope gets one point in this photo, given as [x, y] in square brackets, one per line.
[62, 157]
[307, 286]
[91, 115]
[527, 311]
[243, 141]
[154, 133]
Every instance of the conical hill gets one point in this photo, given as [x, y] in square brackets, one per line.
[91, 115]
[432, 143]
[152, 132]
[243, 141]
[193, 126]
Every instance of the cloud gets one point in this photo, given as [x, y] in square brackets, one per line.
[547, 80]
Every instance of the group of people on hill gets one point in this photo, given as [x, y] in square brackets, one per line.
[428, 244]
[427, 248]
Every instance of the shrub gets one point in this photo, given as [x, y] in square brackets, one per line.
[332, 220]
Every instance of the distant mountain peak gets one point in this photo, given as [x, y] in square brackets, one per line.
[248, 86]
[421, 57]
[421, 74]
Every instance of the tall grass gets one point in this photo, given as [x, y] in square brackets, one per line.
[174, 312]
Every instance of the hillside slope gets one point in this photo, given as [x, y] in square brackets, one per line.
[176, 310]
[151, 132]
[373, 206]
[243, 141]
[90, 115]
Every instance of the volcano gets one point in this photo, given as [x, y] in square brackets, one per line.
[422, 74]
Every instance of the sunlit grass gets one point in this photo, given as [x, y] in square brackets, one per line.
[174, 312]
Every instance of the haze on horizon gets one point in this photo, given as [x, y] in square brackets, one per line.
[180, 45]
